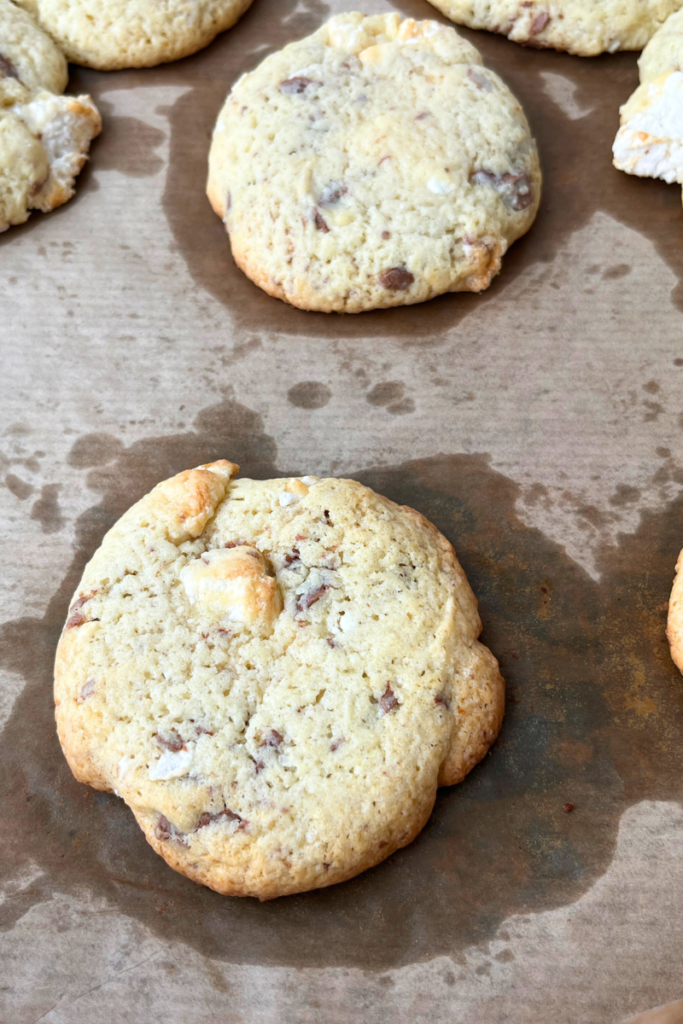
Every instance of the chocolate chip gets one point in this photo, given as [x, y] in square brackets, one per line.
[295, 86]
[166, 832]
[422, 116]
[331, 641]
[207, 818]
[387, 701]
[514, 188]
[37, 187]
[336, 744]
[328, 518]
[320, 222]
[291, 557]
[386, 235]
[259, 766]
[332, 193]
[170, 741]
[7, 68]
[76, 616]
[397, 279]
[273, 739]
[87, 690]
[306, 600]
[539, 23]
[235, 543]
[201, 731]
[441, 700]
[75, 620]
[477, 76]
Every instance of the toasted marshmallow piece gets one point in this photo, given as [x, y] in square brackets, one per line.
[232, 585]
[650, 141]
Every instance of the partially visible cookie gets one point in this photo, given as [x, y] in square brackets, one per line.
[583, 27]
[29, 60]
[649, 142]
[111, 34]
[375, 163]
[44, 137]
[674, 627]
[275, 676]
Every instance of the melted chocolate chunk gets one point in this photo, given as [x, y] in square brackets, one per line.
[332, 193]
[170, 741]
[295, 86]
[387, 701]
[7, 68]
[207, 818]
[166, 832]
[76, 616]
[320, 222]
[87, 690]
[514, 188]
[539, 23]
[306, 600]
[291, 557]
[397, 279]
[441, 700]
[273, 739]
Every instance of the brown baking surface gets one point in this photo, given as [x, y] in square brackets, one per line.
[575, 610]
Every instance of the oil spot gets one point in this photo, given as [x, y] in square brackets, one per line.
[597, 718]
[128, 145]
[19, 488]
[678, 362]
[94, 450]
[46, 509]
[309, 394]
[619, 270]
[652, 387]
[624, 495]
[401, 408]
[386, 392]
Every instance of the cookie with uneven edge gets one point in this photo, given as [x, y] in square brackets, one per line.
[44, 137]
[275, 676]
[674, 626]
[375, 163]
[649, 142]
[112, 34]
[582, 27]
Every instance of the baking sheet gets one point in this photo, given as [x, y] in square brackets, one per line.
[538, 425]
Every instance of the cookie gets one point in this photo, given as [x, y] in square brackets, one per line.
[583, 27]
[649, 142]
[29, 60]
[375, 163]
[674, 627]
[111, 34]
[44, 137]
[275, 676]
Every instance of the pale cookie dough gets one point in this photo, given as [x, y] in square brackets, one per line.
[674, 628]
[111, 34]
[649, 142]
[29, 60]
[583, 27]
[376, 163]
[275, 676]
[44, 137]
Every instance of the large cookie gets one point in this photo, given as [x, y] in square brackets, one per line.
[275, 676]
[583, 27]
[375, 163]
[649, 142]
[44, 137]
[111, 34]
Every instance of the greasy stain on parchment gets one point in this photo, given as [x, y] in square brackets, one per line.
[594, 718]
[575, 152]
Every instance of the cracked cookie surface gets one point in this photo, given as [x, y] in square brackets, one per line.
[375, 163]
[275, 676]
[583, 27]
[112, 34]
